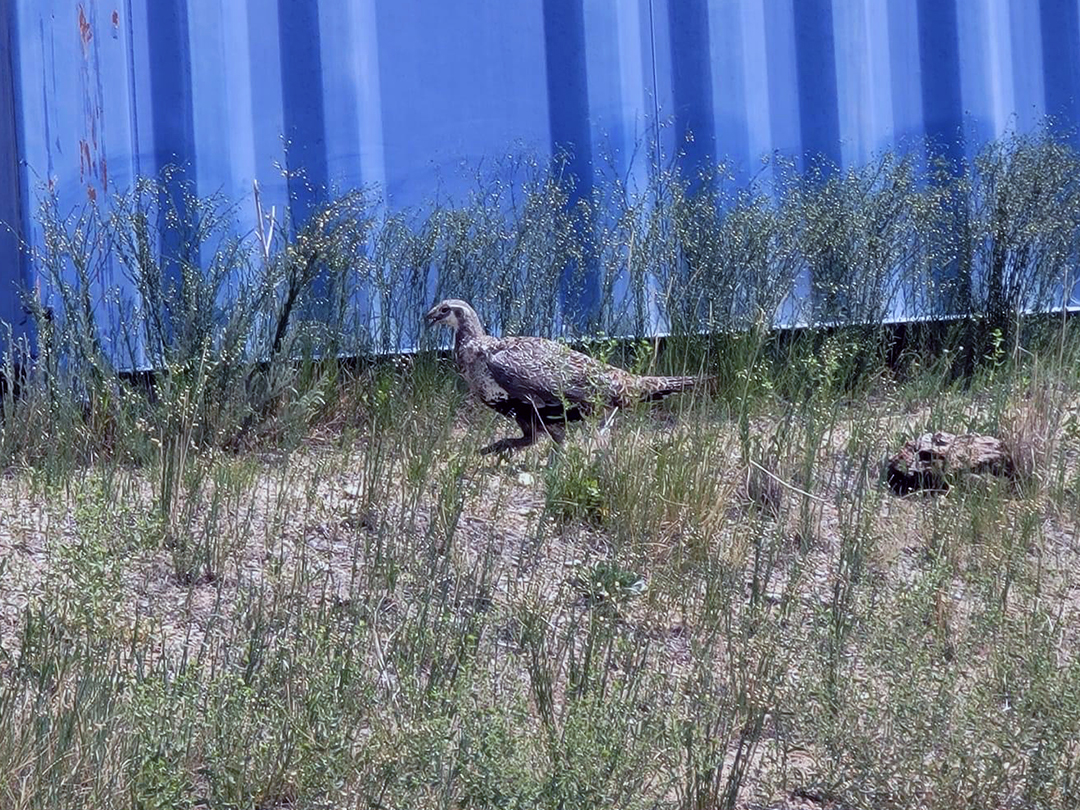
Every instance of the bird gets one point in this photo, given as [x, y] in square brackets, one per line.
[540, 384]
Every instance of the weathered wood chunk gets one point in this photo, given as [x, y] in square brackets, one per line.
[935, 461]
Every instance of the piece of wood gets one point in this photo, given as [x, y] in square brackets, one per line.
[935, 461]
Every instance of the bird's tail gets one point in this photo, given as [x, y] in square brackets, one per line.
[650, 389]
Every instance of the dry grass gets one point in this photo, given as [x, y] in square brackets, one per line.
[392, 618]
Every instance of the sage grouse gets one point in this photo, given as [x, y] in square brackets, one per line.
[539, 383]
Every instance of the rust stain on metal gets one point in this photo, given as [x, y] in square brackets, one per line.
[91, 193]
[84, 159]
[86, 33]
[91, 145]
[116, 18]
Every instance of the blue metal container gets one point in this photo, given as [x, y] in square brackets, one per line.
[403, 93]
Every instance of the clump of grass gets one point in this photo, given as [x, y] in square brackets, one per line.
[609, 585]
[576, 487]
[1022, 210]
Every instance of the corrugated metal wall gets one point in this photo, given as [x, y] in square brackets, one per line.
[401, 93]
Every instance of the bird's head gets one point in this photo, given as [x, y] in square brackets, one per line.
[452, 312]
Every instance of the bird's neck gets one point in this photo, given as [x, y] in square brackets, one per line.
[468, 329]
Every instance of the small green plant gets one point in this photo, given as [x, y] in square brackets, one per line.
[607, 584]
[575, 487]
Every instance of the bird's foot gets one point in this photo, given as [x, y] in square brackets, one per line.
[509, 444]
[501, 448]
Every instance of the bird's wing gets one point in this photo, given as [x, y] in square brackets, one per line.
[547, 373]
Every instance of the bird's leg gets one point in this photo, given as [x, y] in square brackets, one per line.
[527, 438]
[557, 432]
[504, 445]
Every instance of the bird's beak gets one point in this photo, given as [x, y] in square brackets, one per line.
[431, 315]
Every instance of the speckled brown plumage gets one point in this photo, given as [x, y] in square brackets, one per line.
[539, 383]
